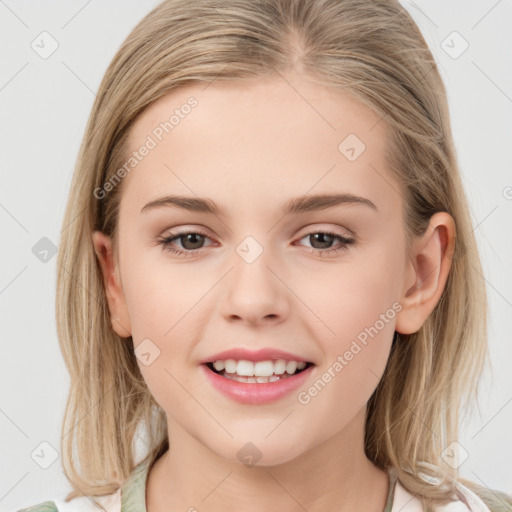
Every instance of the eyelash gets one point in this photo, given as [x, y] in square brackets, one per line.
[166, 243]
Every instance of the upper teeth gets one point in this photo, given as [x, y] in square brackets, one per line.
[260, 368]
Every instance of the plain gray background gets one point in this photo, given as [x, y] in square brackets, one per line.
[45, 103]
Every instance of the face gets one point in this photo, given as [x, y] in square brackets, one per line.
[322, 281]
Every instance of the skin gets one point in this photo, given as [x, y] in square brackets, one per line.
[251, 147]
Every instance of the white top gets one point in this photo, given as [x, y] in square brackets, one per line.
[467, 501]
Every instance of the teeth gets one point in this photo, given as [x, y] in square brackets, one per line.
[279, 366]
[259, 380]
[291, 366]
[260, 369]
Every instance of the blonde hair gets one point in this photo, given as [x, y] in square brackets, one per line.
[370, 49]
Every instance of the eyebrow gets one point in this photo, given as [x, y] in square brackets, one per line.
[295, 205]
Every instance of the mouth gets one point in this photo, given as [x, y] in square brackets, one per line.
[261, 372]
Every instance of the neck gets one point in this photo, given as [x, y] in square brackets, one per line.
[335, 474]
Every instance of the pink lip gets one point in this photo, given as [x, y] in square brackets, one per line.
[263, 354]
[256, 393]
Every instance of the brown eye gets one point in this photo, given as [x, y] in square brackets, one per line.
[321, 242]
[190, 241]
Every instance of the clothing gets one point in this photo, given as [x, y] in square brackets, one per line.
[131, 497]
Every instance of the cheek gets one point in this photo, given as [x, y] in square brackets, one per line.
[360, 314]
[358, 308]
[354, 296]
[166, 304]
[163, 318]
[162, 297]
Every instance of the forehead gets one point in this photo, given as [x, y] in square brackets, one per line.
[237, 141]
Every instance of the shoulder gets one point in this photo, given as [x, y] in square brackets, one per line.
[45, 506]
[485, 499]
[465, 500]
[110, 503]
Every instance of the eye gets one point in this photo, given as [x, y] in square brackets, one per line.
[191, 242]
[321, 239]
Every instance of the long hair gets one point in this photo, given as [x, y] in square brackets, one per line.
[370, 49]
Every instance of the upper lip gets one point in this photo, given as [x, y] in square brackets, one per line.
[263, 354]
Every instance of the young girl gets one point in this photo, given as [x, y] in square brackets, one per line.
[268, 271]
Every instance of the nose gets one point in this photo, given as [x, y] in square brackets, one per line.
[256, 293]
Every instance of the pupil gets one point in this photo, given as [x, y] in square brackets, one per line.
[322, 236]
[196, 245]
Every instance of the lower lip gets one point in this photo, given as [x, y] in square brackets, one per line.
[256, 393]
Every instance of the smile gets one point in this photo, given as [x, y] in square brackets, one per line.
[256, 388]
[257, 372]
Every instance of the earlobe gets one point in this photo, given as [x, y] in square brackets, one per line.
[112, 284]
[426, 273]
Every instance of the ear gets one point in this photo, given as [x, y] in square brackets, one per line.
[113, 289]
[426, 273]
